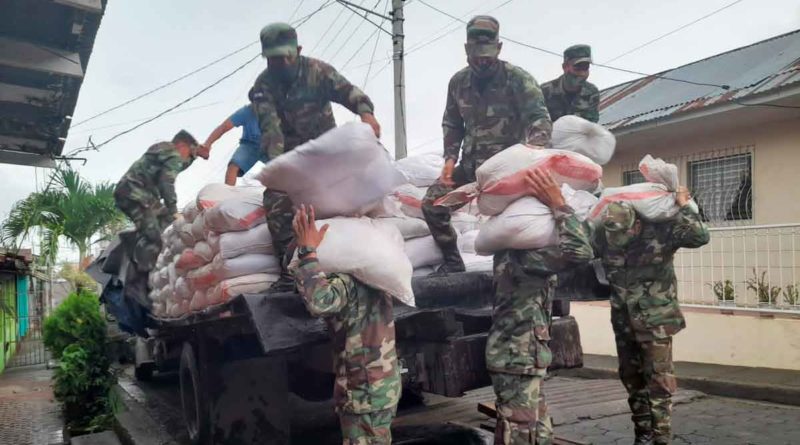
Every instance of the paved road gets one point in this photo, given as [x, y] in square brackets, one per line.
[28, 414]
[591, 411]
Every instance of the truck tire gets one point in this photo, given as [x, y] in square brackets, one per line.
[193, 397]
[144, 372]
[560, 308]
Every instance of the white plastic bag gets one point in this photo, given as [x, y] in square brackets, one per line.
[464, 222]
[478, 263]
[199, 301]
[234, 216]
[652, 202]
[214, 194]
[466, 241]
[345, 171]
[255, 240]
[186, 235]
[423, 271]
[196, 257]
[371, 251]
[423, 252]
[190, 211]
[199, 227]
[528, 224]
[421, 170]
[576, 134]
[224, 268]
[183, 291]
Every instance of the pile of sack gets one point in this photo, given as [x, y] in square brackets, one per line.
[217, 248]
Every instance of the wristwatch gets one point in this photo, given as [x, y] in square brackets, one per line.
[305, 251]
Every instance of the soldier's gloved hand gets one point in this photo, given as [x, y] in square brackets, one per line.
[369, 118]
[682, 196]
[447, 173]
[544, 188]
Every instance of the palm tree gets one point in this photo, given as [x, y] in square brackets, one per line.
[71, 208]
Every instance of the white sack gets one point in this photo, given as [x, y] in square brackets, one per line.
[186, 235]
[182, 290]
[576, 134]
[214, 194]
[345, 171]
[246, 284]
[199, 227]
[369, 250]
[255, 240]
[172, 274]
[234, 216]
[409, 227]
[528, 224]
[660, 172]
[199, 301]
[195, 258]
[223, 268]
[423, 252]
[410, 198]
[464, 222]
[421, 170]
[423, 271]
[190, 211]
[478, 263]
[501, 179]
[652, 202]
[466, 241]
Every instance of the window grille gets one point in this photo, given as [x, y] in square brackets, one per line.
[632, 177]
[723, 187]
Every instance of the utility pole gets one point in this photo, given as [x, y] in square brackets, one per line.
[399, 80]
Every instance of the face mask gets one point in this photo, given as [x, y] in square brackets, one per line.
[573, 81]
[483, 70]
[287, 74]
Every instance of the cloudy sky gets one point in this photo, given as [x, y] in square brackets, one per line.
[145, 43]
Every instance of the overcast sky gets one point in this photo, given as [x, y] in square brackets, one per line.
[144, 43]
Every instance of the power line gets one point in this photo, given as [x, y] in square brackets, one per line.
[346, 5]
[374, 50]
[673, 31]
[299, 5]
[359, 49]
[547, 51]
[327, 30]
[161, 87]
[352, 34]
[135, 127]
[300, 22]
[338, 33]
[119, 124]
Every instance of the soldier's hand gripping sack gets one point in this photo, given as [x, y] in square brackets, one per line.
[576, 134]
[344, 172]
[501, 179]
[370, 250]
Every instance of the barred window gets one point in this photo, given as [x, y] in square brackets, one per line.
[723, 187]
[632, 177]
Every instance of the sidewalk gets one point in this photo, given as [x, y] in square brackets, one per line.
[765, 384]
[28, 413]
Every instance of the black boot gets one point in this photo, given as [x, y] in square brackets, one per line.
[452, 260]
[643, 436]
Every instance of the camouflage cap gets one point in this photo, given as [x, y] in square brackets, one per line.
[483, 35]
[619, 217]
[578, 53]
[278, 39]
[185, 136]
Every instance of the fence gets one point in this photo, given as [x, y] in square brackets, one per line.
[743, 267]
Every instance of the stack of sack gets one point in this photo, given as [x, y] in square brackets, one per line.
[346, 174]
[653, 200]
[219, 247]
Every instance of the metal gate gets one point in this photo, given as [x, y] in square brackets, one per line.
[26, 347]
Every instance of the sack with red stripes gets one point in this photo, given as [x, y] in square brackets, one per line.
[653, 200]
[501, 179]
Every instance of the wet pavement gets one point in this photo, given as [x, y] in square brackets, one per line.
[28, 413]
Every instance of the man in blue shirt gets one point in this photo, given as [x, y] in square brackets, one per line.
[249, 151]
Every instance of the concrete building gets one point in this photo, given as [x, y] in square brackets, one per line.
[731, 123]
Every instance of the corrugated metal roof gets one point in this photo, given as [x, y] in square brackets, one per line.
[758, 68]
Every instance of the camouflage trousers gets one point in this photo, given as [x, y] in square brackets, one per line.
[280, 213]
[518, 354]
[150, 218]
[646, 370]
[438, 217]
[367, 429]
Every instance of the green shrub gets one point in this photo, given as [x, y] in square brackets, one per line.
[791, 295]
[76, 334]
[724, 290]
[765, 292]
[77, 319]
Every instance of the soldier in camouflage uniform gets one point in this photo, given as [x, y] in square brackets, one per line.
[517, 350]
[292, 99]
[150, 180]
[637, 256]
[491, 105]
[572, 93]
[361, 325]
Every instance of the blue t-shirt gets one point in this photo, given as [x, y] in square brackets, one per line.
[246, 118]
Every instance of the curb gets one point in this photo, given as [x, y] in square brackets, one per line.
[717, 387]
[134, 426]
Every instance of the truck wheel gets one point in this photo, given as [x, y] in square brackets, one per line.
[193, 397]
[560, 308]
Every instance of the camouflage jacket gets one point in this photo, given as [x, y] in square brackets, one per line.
[642, 275]
[559, 102]
[153, 175]
[361, 325]
[510, 110]
[291, 115]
